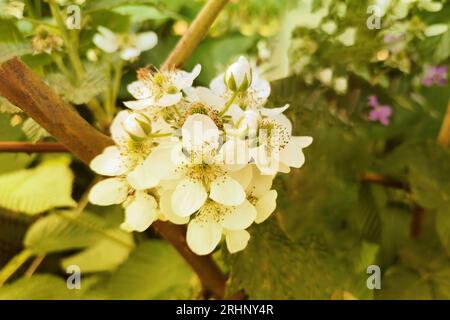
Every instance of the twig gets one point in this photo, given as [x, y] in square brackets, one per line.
[34, 265]
[384, 181]
[30, 147]
[196, 32]
[444, 134]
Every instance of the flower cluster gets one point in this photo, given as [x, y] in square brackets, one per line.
[205, 157]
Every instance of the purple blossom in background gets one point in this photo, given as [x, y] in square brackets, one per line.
[379, 113]
[389, 38]
[435, 75]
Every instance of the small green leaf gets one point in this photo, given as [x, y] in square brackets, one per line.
[92, 85]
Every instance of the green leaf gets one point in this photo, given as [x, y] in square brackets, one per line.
[111, 4]
[10, 50]
[105, 255]
[33, 130]
[272, 266]
[443, 225]
[141, 14]
[38, 287]
[8, 107]
[402, 283]
[58, 232]
[153, 271]
[12, 161]
[36, 190]
[93, 84]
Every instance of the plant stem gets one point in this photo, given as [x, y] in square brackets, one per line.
[196, 32]
[107, 106]
[228, 104]
[14, 264]
[118, 68]
[60, 64]
[444, 134]
[30, 8]
[29, 147]
[71, 50]
[34, 265]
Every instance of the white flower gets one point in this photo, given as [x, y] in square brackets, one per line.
[238, 76]
[325, 76]
[138, 126]
[128, 183]
[130, 46]
[341, 85]
[277, 149]
[160, 89]
[200, 167]
[204, 232]
[260, 195]
[12, 8]
[254, 97]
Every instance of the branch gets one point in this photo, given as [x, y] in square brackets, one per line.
[196, 32]
[24, 89]
[444, 134]
[384, 181]
[30, 147]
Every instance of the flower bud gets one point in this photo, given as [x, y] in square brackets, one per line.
[238, 76]
[138, 126]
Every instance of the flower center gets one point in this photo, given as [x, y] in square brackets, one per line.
[211, 210]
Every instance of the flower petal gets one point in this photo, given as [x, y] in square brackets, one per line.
[218, 84]
[146, 40]
[266, 205]
[140, 178]
[118, 133]
[203, 235]
[106, 40]
[141, 212]
[227, 191]
[243, 176]
[140, 104]
[108, 192]
[109, 163]
[188, 197]
[240, 217]
[139, 90]
[292, 155]
[183, 79]
[161, 162]
[199, 129]
[260, 184]
[129, 53]
[272, 112]
[237, 240]
[235, 152]
[165, 204]
[168, 100]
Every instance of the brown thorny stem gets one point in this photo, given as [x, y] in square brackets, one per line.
[24, 89]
